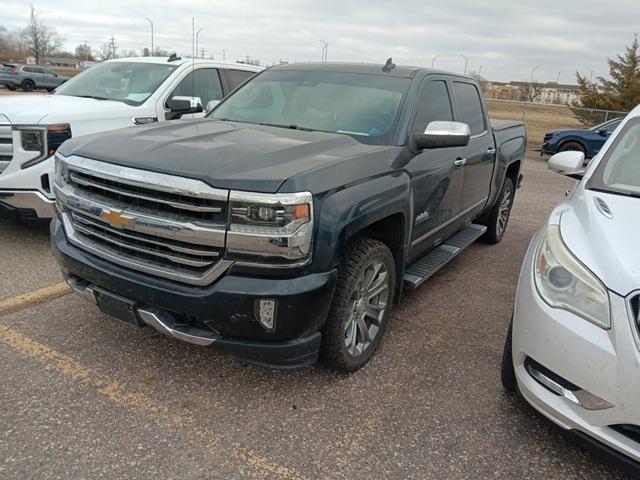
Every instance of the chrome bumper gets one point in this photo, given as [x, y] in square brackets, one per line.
[43, 206]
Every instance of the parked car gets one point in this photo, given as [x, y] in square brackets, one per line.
[588, 141]
[573, 348]
[284, 226]
[114, 94]
[30, 77]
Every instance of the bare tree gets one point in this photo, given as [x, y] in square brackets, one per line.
[530, 92]
[84, 52]
[105, 52]
[40, 39]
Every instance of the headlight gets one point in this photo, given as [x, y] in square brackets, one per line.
[61, 171]
[46, 140]
[270, 229]
[563, 282]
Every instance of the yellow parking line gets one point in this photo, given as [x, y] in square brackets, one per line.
[140, 403]
[33, 298]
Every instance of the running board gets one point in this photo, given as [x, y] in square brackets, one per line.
[423, 268]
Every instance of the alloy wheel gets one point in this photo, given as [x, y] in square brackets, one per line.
[369, 301]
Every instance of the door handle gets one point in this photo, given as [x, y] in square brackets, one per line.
[460, 162]
[491, 151]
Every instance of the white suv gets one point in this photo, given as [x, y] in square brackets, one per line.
[573, 349]
[115, 94]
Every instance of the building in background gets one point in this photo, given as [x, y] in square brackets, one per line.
[550, 92]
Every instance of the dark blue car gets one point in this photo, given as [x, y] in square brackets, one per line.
[588, 142]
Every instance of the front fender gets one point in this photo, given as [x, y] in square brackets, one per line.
[344, 212]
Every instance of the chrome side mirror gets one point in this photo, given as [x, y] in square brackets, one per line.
[570, 163]
[442, 135]
[185, 104]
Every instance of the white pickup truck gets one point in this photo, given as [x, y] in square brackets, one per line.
[115, 94]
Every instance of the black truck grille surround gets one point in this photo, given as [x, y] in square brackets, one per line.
[166, 226]
[6, 146]
[635, 309]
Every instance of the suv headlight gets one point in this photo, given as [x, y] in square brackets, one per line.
[45, 139]
[270, 229]
[563, 282]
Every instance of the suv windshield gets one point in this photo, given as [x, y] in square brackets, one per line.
[619, 170]
[361, 105]
[127, 82]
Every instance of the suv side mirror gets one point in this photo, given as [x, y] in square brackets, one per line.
[179, 106]
[442, 135]
[603, 132]
[570, 163]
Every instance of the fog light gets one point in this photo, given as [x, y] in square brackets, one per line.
[266, 312]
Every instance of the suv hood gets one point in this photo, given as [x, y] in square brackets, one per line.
[607, 246]
[34, 109]
[223, 154]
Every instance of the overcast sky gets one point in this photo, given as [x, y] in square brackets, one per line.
[507, 38]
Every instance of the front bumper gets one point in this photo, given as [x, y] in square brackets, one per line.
[25, 205]
[603, 363]
[224, 312]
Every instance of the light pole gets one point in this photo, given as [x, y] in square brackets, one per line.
[325, 50]
[197, 33]
[466, 63]
[480, 72]
[531, 81]
[433, 62]
[151, 23]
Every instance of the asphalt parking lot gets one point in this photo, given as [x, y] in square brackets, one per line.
[84, 396]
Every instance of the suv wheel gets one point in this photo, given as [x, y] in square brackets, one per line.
[572, 147]
[361, 305]
[498, 218]
[28, 85]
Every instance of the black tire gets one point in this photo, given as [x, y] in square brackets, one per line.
[498, 218]
[507, 372]
[11, 87]
[572, 147]
[28, 85]
[359, 257]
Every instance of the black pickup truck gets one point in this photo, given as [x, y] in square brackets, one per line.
[282, 228]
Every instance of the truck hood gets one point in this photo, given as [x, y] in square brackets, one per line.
[34, 109]
[607, 246]
[223, 154]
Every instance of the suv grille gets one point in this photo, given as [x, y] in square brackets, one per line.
[6, 146]
[162, 225]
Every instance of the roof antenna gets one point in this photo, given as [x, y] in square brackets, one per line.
[389, 65]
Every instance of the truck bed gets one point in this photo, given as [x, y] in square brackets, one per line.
[499, 125]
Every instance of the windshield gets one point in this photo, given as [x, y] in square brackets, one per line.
[619, 170]
[127, 82]
[361, 105]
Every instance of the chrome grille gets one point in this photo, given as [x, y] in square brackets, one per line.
[6, 146]
[166, 226]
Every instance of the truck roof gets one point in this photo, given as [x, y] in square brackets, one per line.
[367, 68]
[182, 61]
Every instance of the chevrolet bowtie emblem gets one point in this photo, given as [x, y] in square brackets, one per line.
[116, 219]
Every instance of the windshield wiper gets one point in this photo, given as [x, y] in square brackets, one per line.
[290, 127]
[95, 97]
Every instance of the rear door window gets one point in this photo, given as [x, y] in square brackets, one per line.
[469, 107]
